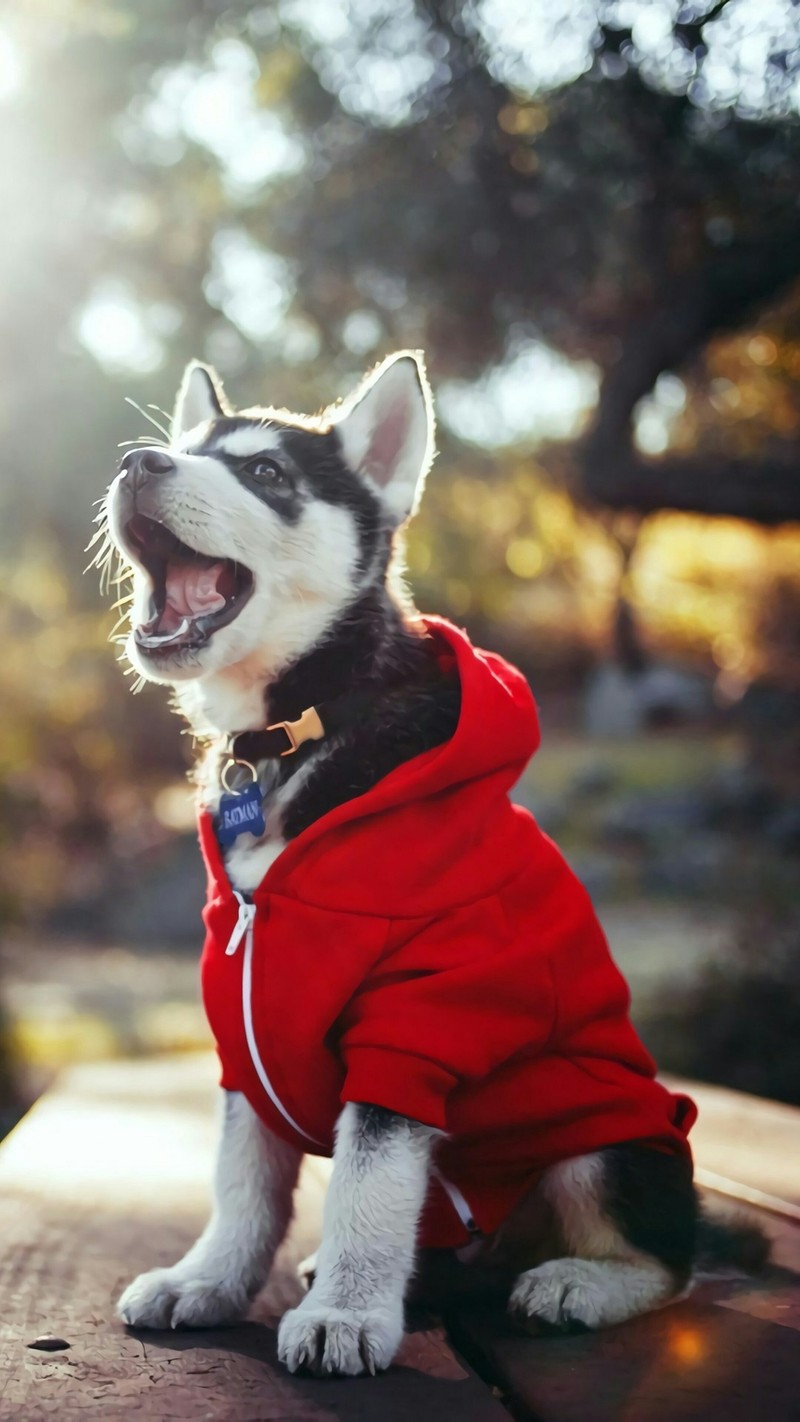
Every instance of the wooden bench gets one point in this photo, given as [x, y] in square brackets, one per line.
[108, 1175]
[730, 1352]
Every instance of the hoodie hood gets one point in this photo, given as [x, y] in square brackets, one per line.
[498, 728]
[399, 850]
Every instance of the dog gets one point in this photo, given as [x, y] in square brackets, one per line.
[399, 969]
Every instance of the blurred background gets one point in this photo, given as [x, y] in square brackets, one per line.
[587, 214]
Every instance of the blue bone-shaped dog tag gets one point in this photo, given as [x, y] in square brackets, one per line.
[241, 813]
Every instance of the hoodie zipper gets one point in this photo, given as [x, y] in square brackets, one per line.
[458, 1201]
[244, 928]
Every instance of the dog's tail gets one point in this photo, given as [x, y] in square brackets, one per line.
[730, 1242]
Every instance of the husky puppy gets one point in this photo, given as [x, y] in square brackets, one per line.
[264, 549]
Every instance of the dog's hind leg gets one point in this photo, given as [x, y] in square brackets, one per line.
[626, 1221]
[255, 1176]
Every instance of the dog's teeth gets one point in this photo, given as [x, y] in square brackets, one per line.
[158, 639]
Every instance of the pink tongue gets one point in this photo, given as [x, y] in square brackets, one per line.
[191, 592]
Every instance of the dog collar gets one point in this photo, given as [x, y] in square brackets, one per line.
[283, 738]
[280, 739]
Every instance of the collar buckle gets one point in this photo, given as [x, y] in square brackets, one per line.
[308, 727]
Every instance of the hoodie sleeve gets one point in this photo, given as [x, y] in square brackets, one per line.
[447, 1004]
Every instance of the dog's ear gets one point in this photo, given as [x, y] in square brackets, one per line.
[199, 398]
[386, 430]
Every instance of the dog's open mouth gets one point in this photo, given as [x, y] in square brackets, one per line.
[194, 594]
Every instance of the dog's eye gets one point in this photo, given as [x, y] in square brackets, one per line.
[269, 474]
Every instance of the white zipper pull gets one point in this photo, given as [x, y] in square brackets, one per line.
[462, 1208]
[244, 924]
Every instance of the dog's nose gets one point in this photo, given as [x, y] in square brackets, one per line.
[141, 466]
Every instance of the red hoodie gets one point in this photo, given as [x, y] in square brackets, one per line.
[425, 947]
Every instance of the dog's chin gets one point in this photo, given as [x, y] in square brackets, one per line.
[169, 666]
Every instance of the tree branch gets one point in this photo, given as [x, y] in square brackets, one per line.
[690, 31]
[765, 491]
[717, 296]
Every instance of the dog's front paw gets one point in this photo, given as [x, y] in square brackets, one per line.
[329, 1341]
[170, 1298]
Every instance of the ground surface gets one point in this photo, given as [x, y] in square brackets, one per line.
[108, 1176]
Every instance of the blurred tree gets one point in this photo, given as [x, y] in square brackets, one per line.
[583, 211]
[300, 184]
[615, 218]
[586, 212]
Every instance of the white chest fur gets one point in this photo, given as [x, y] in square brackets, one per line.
[220, 706]
[249, 858]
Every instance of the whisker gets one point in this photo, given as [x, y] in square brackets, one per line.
[131, 671]
[150, 418]
[103, 561]
[95, 562]
[144, 439]
[103, 555]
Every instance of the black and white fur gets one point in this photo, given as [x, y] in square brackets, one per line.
[603, 1237]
